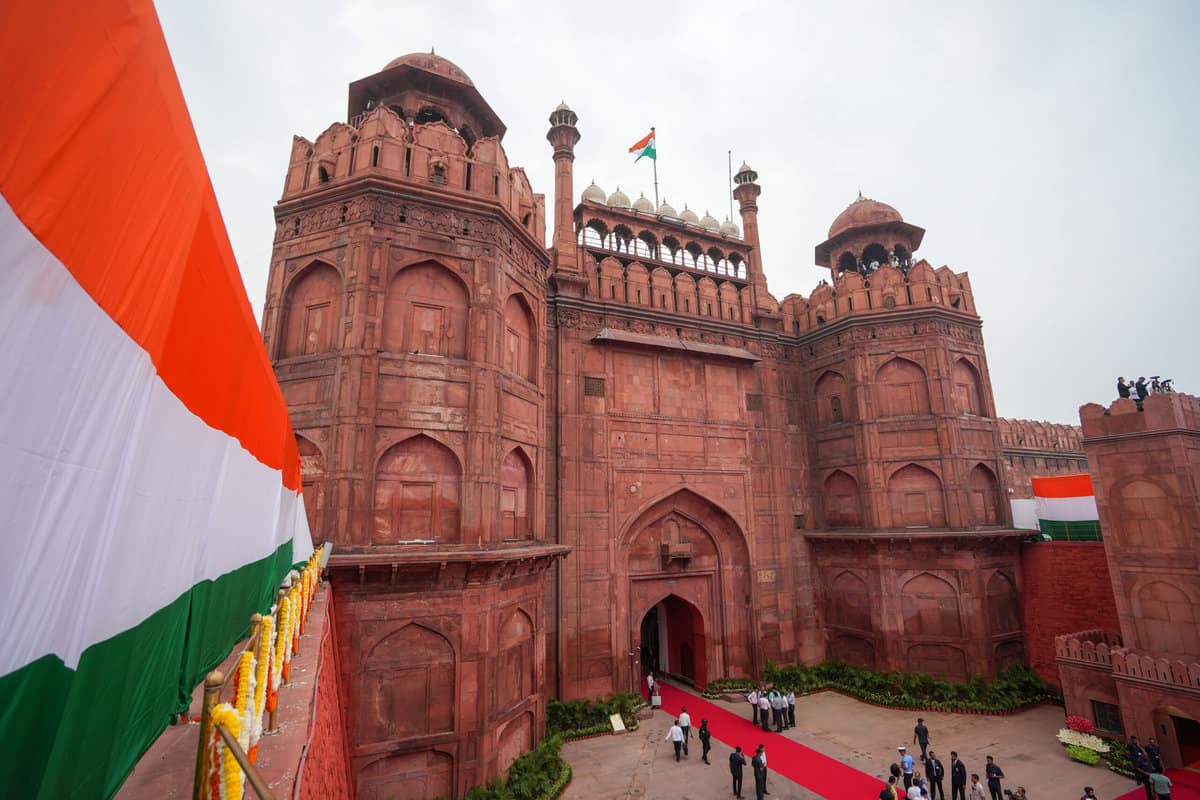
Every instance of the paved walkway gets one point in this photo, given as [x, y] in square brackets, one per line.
[641, 765]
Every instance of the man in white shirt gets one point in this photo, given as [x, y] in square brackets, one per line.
[675, 737]
[685, 722]
[791, 709]
[764, 711]
[753, 698]
[762, 751]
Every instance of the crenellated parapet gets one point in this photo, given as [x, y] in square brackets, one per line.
[1092, 647]
[886, 290]
[382, 144]
[1159, 413]
[1030, 434]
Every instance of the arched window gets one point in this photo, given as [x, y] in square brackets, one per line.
[417, 488]
[841, 501]
[875, 256]
[902, 389]
[984, 496]
[847, 262]
[915, 498]
[968, 395]
[311, 310]
[426, 312]
[830, 392]
[516, 482]
[520, 343]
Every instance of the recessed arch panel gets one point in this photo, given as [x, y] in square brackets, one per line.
[312, 308]
[915, 498]
[417, 493]
[426, 312]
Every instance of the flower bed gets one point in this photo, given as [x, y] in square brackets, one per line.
[1118, 760]
[540, 774]
[1071, 738]
[1013, 689]
[1084, 755]
[577, 719]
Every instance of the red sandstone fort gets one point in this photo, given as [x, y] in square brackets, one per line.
[548, 470]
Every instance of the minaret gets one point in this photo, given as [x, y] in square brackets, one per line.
[746, 193]
[563, 135]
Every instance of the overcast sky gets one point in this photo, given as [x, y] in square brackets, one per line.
[1048, 149]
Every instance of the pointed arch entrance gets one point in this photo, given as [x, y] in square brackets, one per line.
[686, 568]
[673, 641]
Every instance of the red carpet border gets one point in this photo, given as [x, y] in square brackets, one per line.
[1186, 786]
[814, 771]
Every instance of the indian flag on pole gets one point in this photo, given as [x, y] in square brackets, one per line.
[149, 476]
[1066, 508]
[645, 148]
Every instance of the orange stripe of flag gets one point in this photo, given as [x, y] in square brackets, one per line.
[642, 142]
[99, 160]
[1063, 486]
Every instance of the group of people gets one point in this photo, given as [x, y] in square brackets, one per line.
[1139, 390]
[770, 707]
[1148, 763]
[906, 782]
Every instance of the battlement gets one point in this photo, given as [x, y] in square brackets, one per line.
[429, 154]
[1160, 412]
[1029, 434]
[885, 290]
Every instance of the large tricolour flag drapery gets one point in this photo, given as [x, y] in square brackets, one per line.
[1066, 507]
[149, 478]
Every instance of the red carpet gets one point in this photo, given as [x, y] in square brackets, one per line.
[1186, 786]
[818, 773]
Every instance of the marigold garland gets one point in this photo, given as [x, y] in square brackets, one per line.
[245, 697]
[261, 679]
[226, 779]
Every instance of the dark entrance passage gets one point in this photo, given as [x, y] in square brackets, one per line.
[673, 641]
[1187, 734]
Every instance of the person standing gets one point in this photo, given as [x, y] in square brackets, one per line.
[994, 774]
[736, 762]
[921, 736]
[762, 749]
[791, 708]
[1141, 766]
[764, 711]
[758, 764]
[675, 737]
[777, 710]
[705, 740]
[1161, 784]
[1140, 392]
[649, 686]
[906, 765]
[935, 772]
[1122, 388]
[1154, 755]
[976, 788]
[958, 777]
[753, 698]
[685, 722]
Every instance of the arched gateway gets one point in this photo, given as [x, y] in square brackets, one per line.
[686, 573]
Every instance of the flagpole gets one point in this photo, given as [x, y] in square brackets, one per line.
[655, 160]
[730, 154]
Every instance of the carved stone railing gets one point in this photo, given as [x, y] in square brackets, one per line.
[1145, 667]
[1093, 647]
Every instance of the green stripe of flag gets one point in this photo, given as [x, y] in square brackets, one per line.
[1080, 531]
[53, 744]
[647, 152]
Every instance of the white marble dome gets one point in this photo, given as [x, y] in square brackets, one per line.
[687, 215]
[709, 222]
[730, 228]
[643, 204]
[594, 193]
[618, 199]
[667, 210]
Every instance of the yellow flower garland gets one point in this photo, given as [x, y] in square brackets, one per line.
[231, 783]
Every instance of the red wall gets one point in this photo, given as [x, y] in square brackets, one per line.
[1067, 589]
[326, 768]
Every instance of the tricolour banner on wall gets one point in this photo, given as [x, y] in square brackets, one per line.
[1066, 508]
[149, 479]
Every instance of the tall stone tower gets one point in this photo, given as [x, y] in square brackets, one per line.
[905, 457]
[405, 316]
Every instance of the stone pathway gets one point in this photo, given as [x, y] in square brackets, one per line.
[641, 764]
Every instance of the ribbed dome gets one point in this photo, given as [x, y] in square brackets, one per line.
[618, 199]
[594, 193]
[709, 222]
[644, 205]
[667, 210]
[864, 212]
[689, 216]
[730, 228]
[431, 62]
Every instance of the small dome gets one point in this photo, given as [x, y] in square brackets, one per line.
[667, 210]
[745, 174]
[563, 106]
[618, 199]
[594, 193]
[643, 205]
[864, 212]
[689, 216]
[709, 222]
[431, 62]
[730, 228]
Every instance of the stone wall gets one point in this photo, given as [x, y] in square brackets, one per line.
[1032, 447]
[325, 765]
[1067, 588]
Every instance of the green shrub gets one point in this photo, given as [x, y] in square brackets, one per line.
[1083, 755]
[585, 717]
[540, 774]
[1118, 760]
[1014, 687]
